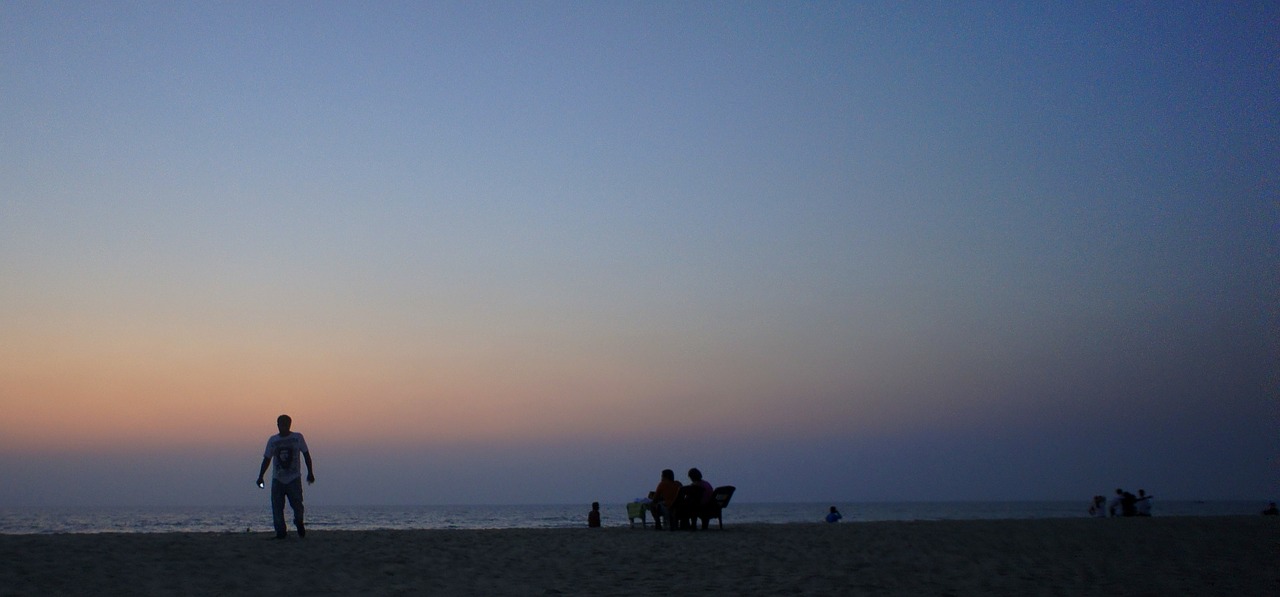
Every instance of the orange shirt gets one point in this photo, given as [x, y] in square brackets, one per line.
[667, 491]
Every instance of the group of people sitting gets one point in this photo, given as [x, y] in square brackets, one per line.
[680, 506]
[1123, 504]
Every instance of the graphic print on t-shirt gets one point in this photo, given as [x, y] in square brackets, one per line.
[284, 458]
[285, 453]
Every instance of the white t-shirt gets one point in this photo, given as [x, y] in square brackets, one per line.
[285, 453]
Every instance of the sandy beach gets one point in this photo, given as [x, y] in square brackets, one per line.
[1171, 556]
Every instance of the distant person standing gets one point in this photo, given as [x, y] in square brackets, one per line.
[1128, 504]
[593, 517]
[282, 455]
[834, 515]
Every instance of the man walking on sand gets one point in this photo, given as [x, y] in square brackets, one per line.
[283, 449]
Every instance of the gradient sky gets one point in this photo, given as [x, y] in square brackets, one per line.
[536, 252]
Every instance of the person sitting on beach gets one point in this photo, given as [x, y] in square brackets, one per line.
[1271, 510]
[1098, 509]
[708, 492]
[1142, 505]
[1114, 507]
[593, 517]
[687, 511]
[664, 499]
[834, 515]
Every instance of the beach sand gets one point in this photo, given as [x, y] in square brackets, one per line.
[1157, 556]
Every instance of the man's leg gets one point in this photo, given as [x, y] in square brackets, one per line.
[277, 507]
[295, 502]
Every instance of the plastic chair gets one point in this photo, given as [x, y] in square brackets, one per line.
[637, 510]
[719, 501]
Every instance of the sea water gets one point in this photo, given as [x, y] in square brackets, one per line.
[239, 519]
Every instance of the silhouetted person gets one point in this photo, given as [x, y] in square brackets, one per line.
[708, 492]
[1128, 504]
[283, 450]
[693, 500]
[834, 515]
[1142, 506]
[593, 517]
[663, 499]
[1271, 510]
[1098, 509]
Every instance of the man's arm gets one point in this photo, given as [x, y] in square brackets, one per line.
[266, 462]
[306, 456]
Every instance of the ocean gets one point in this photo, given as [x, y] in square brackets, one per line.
[320, 517]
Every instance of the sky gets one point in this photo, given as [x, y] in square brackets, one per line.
[536, 252]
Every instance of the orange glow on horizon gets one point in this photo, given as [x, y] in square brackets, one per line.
[109, 387]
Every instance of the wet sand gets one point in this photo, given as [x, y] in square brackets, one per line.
[1157, 556]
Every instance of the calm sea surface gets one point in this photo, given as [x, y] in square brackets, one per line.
[321, 516]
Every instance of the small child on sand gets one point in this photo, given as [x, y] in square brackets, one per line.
[593, 517]
[834, 515]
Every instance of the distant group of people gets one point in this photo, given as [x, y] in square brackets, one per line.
[1122, 503]
[678, 504]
